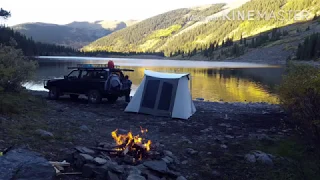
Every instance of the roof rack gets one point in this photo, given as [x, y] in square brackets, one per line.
[98, 67]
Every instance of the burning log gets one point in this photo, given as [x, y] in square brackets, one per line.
[135, 146]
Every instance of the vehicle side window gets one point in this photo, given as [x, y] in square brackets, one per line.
[93, 75]
[101, 75]
[86, 75]
[74, 74]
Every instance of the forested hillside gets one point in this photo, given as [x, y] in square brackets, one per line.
[152, 33]
[161, 33]
[75, 34]
[9, 37]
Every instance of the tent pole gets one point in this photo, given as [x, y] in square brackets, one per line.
[191, 87]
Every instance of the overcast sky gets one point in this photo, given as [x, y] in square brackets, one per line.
[66, 11]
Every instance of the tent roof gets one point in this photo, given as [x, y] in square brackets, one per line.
[164, 75]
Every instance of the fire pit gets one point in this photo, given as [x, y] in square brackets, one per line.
[135, 146]
[128, 157]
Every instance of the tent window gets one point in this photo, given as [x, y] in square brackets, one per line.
[150, 94]
[165, 97]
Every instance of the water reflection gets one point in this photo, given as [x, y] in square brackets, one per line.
[228, 82]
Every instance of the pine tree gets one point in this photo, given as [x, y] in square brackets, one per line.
[253, 45]
[299, 52]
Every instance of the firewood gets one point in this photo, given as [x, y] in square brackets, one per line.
[103, 149]
[70, 173]
[55, 163]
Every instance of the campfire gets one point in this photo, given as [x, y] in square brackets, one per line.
[136, 146]
[129, 156]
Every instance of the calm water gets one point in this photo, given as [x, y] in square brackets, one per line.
[213, 81]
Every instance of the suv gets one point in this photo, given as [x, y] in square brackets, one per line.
[94, 81]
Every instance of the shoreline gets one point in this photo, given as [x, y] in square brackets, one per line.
[231, 60]
[195, 100]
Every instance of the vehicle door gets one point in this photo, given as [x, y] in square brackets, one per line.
[70, 82]
[92, 79]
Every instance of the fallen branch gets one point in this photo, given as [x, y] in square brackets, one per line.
[105, 150]
[55, 163]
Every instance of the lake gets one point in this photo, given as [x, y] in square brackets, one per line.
[213, 81]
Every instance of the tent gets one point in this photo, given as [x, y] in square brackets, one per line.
[163, 94]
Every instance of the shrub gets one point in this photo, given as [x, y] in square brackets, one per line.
[300, 94]
[15, 69]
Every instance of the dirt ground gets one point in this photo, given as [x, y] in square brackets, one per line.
[221, 134]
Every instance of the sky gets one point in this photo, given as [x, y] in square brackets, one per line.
[66, 11]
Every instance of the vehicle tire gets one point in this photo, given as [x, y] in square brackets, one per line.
[54, 93]
[74, 96]
[112, 99]
[94, 97]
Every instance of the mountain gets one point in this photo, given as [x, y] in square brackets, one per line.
[193, 30]
[75, 34]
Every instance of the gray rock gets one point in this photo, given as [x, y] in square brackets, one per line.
[23, 164]
[88, 170]
[216, 173]
[259, 137]
[84, 150]
[141, 167]
[168, 159]
[168, 153]
[112, 176]
[209, 129]
[85, 157]
[191, 151]
[224, 125]
[159, 166]
[260, 157]
[150, 175]
[184, 162]
[114, 167]
[223, 146]
[229, 136]
[135, 170]
[84, 128]
[250, 158]
[263, 158]
[184, 139]
[100, 161]
[44, 134]
[200, 99]
[229, 131]
[135, 177]
[181, 178]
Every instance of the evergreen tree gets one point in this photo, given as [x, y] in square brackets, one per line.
[4, 14]
[299, 52]
[253, 45]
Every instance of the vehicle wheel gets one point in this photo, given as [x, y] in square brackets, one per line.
[74, 96]
[112, 99]
[94, 97]
[54, 93]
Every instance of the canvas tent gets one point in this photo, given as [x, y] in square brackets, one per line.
[163, 94]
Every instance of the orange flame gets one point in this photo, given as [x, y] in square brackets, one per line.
[128, 140]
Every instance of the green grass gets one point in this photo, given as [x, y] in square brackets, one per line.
[21, 103]
[304, 159]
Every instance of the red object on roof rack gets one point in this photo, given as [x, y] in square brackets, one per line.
[110, 64]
